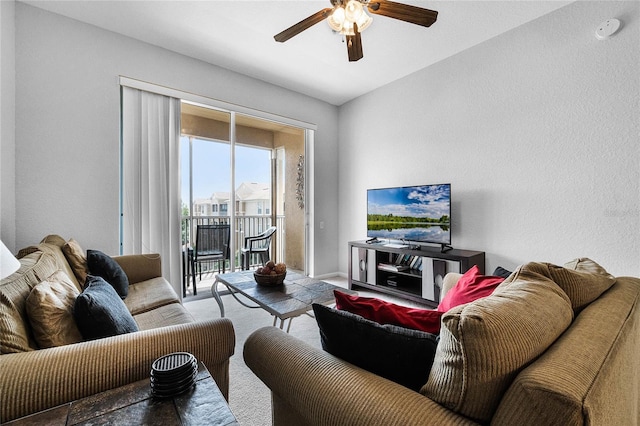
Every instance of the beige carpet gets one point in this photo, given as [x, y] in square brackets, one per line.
[249, 398]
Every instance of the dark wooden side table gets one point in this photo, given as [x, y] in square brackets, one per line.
[133, 404]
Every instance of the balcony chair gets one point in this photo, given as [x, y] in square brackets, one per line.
[258, 244]
[212, 244]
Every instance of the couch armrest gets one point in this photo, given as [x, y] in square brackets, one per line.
[140, 267]
[312, 387]
[37, 380]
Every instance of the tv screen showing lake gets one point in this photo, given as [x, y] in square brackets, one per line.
[439, 234]
[413, 213]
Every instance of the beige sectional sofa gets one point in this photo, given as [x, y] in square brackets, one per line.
[551, 346]
[33, 379]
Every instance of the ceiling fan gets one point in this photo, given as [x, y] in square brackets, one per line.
[349, 18]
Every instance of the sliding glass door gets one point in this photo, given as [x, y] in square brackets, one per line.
[242, 171]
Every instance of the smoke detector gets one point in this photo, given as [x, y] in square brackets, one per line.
[607, 29]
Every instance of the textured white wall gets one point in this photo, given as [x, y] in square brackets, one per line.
[7, 124]
[67, 126]
[537, 130]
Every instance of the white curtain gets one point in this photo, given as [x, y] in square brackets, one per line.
[151, 179]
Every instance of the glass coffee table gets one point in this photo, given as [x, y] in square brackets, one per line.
[291, 299]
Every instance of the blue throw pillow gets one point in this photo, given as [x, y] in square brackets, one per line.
[104, 266]
[396, 353]
[100, 312]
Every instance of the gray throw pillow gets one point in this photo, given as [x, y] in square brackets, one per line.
[100, 312]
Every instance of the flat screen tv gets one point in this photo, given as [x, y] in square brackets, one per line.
[410, 213]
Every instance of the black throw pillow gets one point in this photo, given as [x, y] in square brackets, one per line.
[99, 311]
[501, 272]
[104, 266]
[395, 353]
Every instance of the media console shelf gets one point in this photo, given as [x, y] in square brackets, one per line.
[411, 274]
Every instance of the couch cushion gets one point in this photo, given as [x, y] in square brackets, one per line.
[484, 344]
[471, 286]
[53, 239]
[384, 312]
[396, 353]
[53, 244]
[583, 280]
[77, 260]
[102, 265]
[15, 332]
[150, 294]
[163, 316]
[100, 312]
[50, 311]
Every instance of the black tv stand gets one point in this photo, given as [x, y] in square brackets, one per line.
[412, 272]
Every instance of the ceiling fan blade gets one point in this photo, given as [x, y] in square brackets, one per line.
[404, 12]
[302, 25]
[354, 45]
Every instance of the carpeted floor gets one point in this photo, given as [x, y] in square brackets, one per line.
[249, 398]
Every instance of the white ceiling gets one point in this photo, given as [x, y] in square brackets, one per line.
[238, 35]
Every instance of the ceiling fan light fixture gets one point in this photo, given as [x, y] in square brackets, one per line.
[353, 10]
[342, 19]
[347, 28]
[364, 21]
[336, 19]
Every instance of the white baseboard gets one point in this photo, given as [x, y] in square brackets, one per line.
[331, 275]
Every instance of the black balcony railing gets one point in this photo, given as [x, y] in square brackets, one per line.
[245, 226]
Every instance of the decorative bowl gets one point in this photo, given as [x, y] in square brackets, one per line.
[269, 280]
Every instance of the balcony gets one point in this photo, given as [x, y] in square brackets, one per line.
[245, 226]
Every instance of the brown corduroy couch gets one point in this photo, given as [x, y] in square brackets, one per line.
[551, 346]
[33, 379]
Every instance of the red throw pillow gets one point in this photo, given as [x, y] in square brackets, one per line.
[470, 286]
[384, 312]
